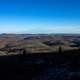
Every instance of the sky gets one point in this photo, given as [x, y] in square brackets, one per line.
[39, 16]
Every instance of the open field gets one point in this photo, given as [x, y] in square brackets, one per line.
[11, 44]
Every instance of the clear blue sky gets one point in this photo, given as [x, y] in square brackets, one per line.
[39, 16]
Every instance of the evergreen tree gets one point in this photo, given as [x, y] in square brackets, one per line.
[24, 52]
[60, 49]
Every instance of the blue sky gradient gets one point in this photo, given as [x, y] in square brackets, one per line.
[39, 16]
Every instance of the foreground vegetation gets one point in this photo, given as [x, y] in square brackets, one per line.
[47, 66]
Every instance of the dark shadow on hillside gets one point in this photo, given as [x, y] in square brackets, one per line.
[41, 66]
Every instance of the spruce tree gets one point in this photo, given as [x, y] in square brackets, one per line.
[60, 49]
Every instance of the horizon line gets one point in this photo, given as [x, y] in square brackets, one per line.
[38, 33]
